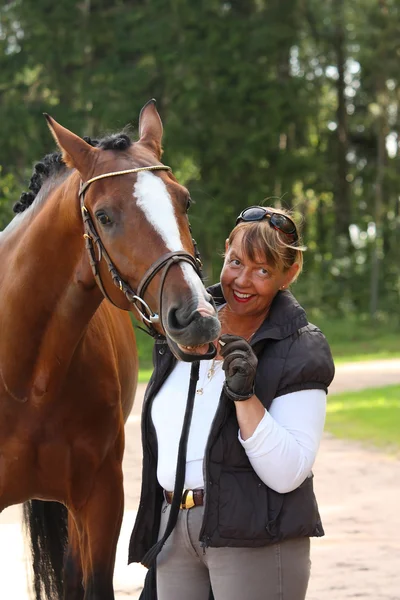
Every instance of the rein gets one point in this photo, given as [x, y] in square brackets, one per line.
[92, 240]
[150, 557]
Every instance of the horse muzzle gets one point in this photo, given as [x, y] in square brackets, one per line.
[191, 331]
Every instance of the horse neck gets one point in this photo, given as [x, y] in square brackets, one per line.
[44, 308]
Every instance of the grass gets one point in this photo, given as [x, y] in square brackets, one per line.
[144, 375]
[371, 416]
[354, 339]
[378, 348]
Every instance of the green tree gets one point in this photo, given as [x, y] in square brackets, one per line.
[295, 101]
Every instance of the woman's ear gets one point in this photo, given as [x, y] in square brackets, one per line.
[226, 245]
[290, 275]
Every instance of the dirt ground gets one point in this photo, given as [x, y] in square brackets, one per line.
[358, 491]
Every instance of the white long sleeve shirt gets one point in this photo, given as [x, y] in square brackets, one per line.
[282, 449]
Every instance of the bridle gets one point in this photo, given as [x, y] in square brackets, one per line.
[165, 262]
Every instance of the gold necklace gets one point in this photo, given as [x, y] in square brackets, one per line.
[209, 375]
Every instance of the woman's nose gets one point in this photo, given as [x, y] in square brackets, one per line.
[243, 278]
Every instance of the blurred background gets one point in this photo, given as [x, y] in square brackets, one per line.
[292, 100]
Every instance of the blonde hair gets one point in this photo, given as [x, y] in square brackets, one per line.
[259, 237]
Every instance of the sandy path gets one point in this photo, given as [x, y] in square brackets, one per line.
[358, 491]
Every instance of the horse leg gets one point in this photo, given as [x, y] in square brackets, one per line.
[100, 522]
[73, 572]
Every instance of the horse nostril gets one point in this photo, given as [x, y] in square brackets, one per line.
[179, 318]
[188, 326]
[173, 322]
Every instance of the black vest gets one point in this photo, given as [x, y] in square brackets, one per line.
[240, 510]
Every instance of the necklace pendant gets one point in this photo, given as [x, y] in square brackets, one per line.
[199, 391]
[211, 370]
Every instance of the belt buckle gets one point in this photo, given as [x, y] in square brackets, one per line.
[187, 500]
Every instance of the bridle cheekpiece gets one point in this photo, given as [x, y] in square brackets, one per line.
[92, 240]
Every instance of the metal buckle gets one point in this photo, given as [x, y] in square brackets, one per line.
[150, 317]
[187, 500]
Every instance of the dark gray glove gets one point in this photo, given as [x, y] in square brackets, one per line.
[240, 365]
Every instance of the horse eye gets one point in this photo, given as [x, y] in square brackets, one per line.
[103, 218]
[188, 203]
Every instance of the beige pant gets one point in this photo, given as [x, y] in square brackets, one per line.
[185, 570]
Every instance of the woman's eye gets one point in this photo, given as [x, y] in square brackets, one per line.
[103, 218]
[263, 272]
[235, 262]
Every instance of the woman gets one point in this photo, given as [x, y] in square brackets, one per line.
[249, 509]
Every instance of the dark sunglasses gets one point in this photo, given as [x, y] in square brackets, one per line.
[276, 220]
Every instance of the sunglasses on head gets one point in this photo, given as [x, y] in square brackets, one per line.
[277, 221]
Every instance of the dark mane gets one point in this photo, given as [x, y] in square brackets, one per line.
[52, 165]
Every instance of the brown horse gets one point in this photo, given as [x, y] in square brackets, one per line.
[68, 361]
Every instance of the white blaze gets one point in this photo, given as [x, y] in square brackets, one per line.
[154, 200]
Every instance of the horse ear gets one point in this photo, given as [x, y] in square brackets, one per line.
[150, 128]
[76, 152]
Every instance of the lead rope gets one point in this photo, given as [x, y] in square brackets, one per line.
[150, 556]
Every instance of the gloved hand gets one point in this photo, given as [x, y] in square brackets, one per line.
[240, 364]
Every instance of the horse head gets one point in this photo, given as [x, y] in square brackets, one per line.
[138, 235]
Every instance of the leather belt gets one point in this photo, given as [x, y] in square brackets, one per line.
[190, 498]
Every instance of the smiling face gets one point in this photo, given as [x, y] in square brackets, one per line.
[250, 285]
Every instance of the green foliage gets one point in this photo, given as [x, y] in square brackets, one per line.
[145, 345]
[249, 92]
[355, 338]
[8, 192]
[371, 416]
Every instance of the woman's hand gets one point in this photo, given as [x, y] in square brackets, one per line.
[240, 365]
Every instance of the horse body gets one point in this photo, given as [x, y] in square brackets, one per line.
[68, 378]
[68, 360]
